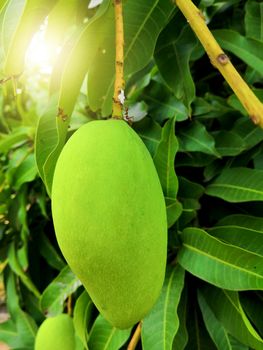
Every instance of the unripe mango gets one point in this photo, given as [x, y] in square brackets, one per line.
[110, 219]
[56, 333]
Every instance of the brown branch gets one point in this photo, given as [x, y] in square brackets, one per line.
[221, 61]
[119, 79]
[135, 338]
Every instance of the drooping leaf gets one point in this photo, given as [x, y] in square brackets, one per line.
[173, 52]
[82, 316]
[71, 81]
[241, 230]
[181, 337]
[164, 163]
[60, 19]
[26, 328]
[34, 12]
[164, 160]
[248, 50]
[16, 267]
[54, 296]
[105, 336]
[195, 138]
[229, 312]
[162, 323]
[238, 185]
[221, 264]
[198, 337]
[213, 326]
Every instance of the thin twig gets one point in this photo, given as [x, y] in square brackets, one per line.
[119, 79]
[69, 305]
[135, 338]
[221, 61]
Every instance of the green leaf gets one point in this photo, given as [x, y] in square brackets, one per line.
[229, 312]
[164, 160]
[16, 267]
[250, 133]
[150, 132]
[164, 163]
[60, 19]
[34, 12]
[174, 210]
[162, 105]
[198, 337]
[105, 337]
[27, 328]
[141, 33]
[46, 141]
[181, 337]
[88, 44]
[53, 297]
[162, 323]
[228, 143]
[221, 264]
[248, 50]
[213, 326]
[82, 316]
[241, 230]
[9, 335]
[195, 138]
[25, 172]
[172, 54]
[11, 15]
[189, 189]
[48, 251]
[252, 304]
[254, 20]
[238, 185]
[8, 141]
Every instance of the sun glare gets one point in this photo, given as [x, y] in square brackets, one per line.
[39, 54]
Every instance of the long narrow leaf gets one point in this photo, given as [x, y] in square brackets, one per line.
[221, 264]
[161, 325]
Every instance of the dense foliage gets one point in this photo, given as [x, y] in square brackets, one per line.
[208, 154]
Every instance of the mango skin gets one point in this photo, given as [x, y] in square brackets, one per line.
[56, 333]
[110, 219]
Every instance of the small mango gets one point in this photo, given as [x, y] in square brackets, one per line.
[56, 333]
[110, 219]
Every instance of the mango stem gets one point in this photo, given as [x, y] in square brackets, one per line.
[118, 97]
[221, 61]
[135, 338]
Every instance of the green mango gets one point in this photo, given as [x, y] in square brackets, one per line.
[56, 333]
[110, 219]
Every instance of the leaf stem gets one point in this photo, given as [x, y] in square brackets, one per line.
[119, 62]
[221, 61]
[135, 338]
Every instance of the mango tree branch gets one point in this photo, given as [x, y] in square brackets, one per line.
[118, 97]
[135, 338]
[221, 61]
